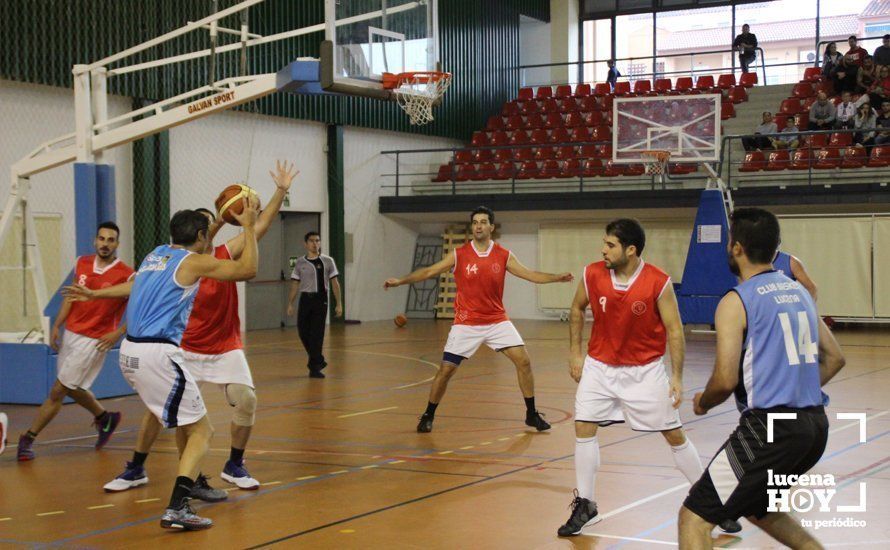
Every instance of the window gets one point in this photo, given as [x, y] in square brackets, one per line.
[633, 43]
[597, 46]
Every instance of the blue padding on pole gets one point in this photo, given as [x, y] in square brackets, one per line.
[85, 207]
[105, 196]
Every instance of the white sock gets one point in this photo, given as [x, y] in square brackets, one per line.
[687, 460]
[587, 462]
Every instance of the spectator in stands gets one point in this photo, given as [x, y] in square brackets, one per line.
[865, 123]
[845, 78]
[822, 113]
[882, 52]
[613, 75]
[882, 125]
[745, 44]
[880, 90]
[759, 140]
[792, 139]
[831, 61]
[866, 75]
[846, 111]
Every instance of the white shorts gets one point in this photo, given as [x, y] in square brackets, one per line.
[80, 361]
[226, 368]
[464, 340]
[167, 388]
[639, 395]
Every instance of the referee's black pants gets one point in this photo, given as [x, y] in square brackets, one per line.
[311, 317]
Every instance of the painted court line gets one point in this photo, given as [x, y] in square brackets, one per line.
[147, 500]
[366, 412]
[655, 541]
[306, 477]
[642, 501]
[99, 507]
[5, 519]
[266, 484]
[56, 513]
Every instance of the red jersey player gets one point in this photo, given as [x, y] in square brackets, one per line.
[90, 331]
[622, 377]
[212, 348]
[480, 267]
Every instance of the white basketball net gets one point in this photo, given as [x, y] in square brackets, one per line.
[417, 95]
[655, 161]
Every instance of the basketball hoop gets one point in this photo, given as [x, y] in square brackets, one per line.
[417, 92]
[655, 161]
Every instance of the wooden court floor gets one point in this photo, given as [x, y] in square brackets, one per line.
[342, 466]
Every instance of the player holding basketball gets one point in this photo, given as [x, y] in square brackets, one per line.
[91, 329]
[161, 299]
[214, 353]
[622, 377]
[480, 267]
[782, 373]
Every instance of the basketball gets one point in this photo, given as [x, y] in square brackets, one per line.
[400, 320]
[229, 202]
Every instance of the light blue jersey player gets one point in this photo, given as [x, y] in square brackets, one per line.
[775, 354]
[790, 266]
[161, 297]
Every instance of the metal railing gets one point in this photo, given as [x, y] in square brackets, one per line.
[692, 71]
[821, 54]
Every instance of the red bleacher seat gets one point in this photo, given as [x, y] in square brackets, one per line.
[553, 120]
[642, 87]
[533, 122]
[464, 156]
[485, 171]
[606, 105]
[567, 105]
[465, 172]
[580, 134]
[506, 171]
[518, 137]
[738, 94]
[503, 155]
[544, 91]
[778, 160]
[538, 136]
[545, 153]
[582, 90]
[592, 168]
[499, 137]
[781, 121]
[588, 152]
[804, 120]
[613, 170]
[479, 139]
[601, 133]
[754, 162]
[880, 157]
[815, 141]
[548, 106]
[663, 85]
[528, 170]
[574, 119]
[550, 169]
[601, 89]
[563, 90]
[528, 107]
[726, 81]
[588, 104]
[807, 103]
[511, 108]
[604, 150]
[622, 88]
[748, 80]
[803, 90]
[681, 168]
[525, 93]
[684, 84]
[827, 158]
[825, 86]
[571, 168]
[494, 123]
[445, 173]
[523, 153]
[566, 152]
[593, 118]
[727, 110]
[634, 170]
[854, 157]
[705, 83]
[483, 155]
[514, 122]
[559, 135]
[841, 140]
[790, 106]
[812, 74]
[802, 159]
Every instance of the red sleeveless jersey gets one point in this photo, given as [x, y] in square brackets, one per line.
[96, 318]
[480, 284]
[627, 328]
[214, 326]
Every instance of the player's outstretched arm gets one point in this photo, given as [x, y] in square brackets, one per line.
[576, 327]
[515, 267]
[196, 266]
[670, 316]
[803, 277]
[283, 176]
[730, 321]
[80, 293]
[423, 273]
[831, 358]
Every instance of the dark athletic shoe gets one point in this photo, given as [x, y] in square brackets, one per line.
[315, 373]
[184, 518]
[25, 452]
[730, 526]
[536, 421]
[106, 429]
[425, 425]
[583, 514]
[203, 491]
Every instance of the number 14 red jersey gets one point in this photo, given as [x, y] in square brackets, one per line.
[627, 327]
[480, 284]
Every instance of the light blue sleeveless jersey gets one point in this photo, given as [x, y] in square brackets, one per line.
[780, 359]
[159, 307]
[782, 264]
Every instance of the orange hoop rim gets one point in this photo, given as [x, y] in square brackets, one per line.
[392, 81]
[660, 155]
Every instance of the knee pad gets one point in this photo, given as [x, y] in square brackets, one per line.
[243, 398]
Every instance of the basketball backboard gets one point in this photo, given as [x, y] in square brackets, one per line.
[688, 126]
[366, 38]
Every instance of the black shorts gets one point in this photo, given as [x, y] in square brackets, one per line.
[734, 484]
